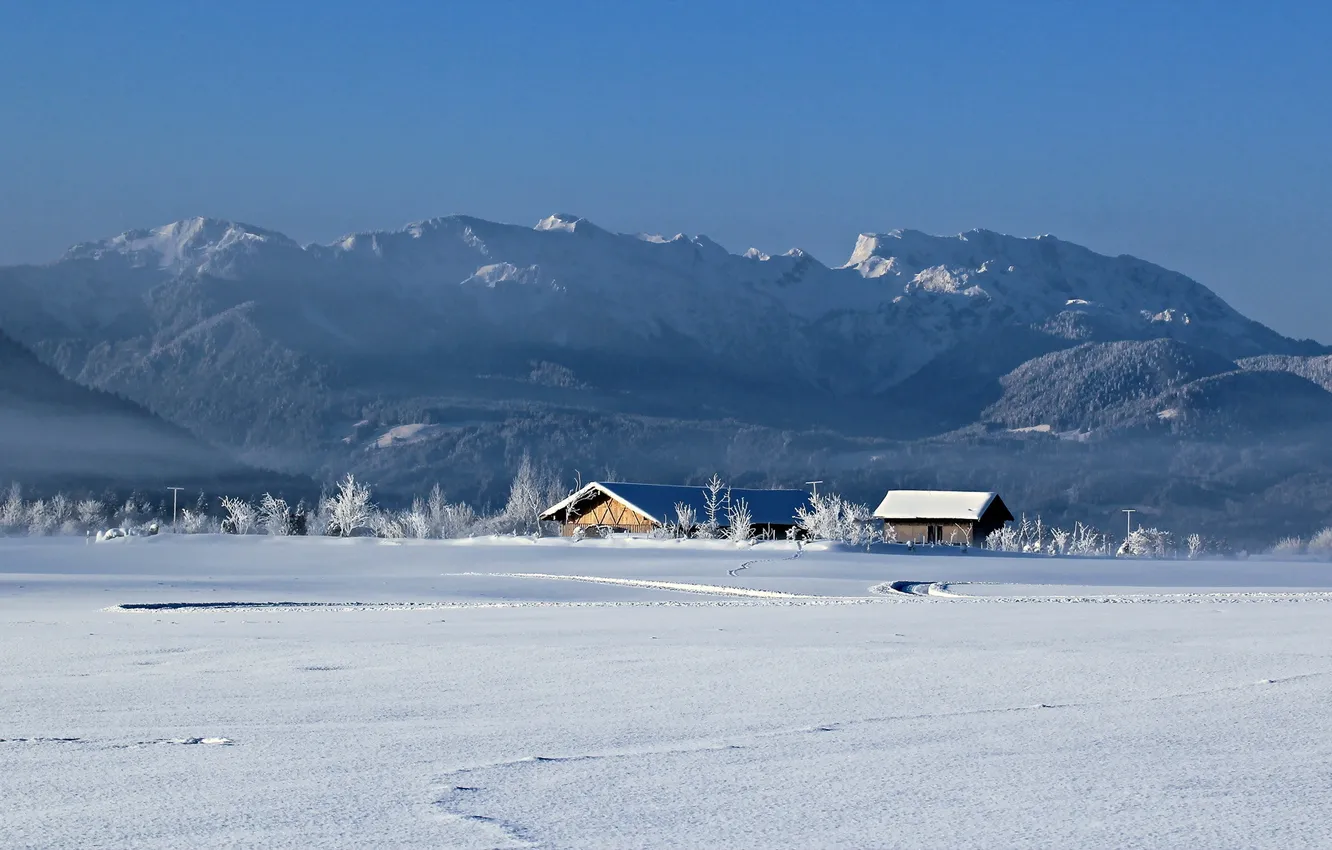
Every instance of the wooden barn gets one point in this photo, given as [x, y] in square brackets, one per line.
[614, 506]
[942, 516]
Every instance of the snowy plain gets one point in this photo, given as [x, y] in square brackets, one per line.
[212, 691]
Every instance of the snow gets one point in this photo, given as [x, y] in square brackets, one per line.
[933, 504]
[400, 435]
[1043, 428]
[559, 221]
[206, 243]
[553, 694]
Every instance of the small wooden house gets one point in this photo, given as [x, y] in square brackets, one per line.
[613, 506]
[942, 516]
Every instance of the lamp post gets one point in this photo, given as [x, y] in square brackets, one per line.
[175, 491]
[1128, 516]
[815, 486]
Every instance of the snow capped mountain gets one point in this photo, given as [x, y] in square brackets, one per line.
[196, 245]
[671, 325]
[903, 296]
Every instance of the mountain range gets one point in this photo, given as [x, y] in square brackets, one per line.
[445, 350]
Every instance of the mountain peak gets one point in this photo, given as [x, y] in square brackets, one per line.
[566, 222]
[197, 242]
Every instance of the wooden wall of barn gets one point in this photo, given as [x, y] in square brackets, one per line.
[918, 531]
[603, 510]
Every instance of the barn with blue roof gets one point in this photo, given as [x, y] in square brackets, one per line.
[641, 508]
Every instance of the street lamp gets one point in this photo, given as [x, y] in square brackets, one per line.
[175, 491]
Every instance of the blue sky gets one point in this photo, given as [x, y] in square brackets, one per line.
[1193, 135]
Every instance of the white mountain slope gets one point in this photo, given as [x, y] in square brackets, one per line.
[176, 316]
[903, 296]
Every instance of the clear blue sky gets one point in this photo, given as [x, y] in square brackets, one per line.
[1195, 135]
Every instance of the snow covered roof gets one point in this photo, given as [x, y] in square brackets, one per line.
[767, 507]
[953, 505]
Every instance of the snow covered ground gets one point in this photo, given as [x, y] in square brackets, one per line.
[257, 692]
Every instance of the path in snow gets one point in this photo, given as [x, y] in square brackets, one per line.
[685, 587]
[747, 564]
[936, 590]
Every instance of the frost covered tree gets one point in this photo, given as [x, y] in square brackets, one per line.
[435, 507]
[241, 518]
[530, 492]
[1145, 543]
[62, 514]
[1059, 538]
[1086, 540]
[349, 508]
[128, 513]
[415, 522]
[523, 509]
[822, 520]
[686, 518]
[1320, 543]
[196, 521]
[274, 516]
[91, 513]
[1289, 546]
[1005, 538]
[1195, 544]
[457, 520]
[13, 513]
[41, 522]
[830, 517]
[715, 496]
[740, 522]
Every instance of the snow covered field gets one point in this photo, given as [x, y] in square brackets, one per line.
[306, 692]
